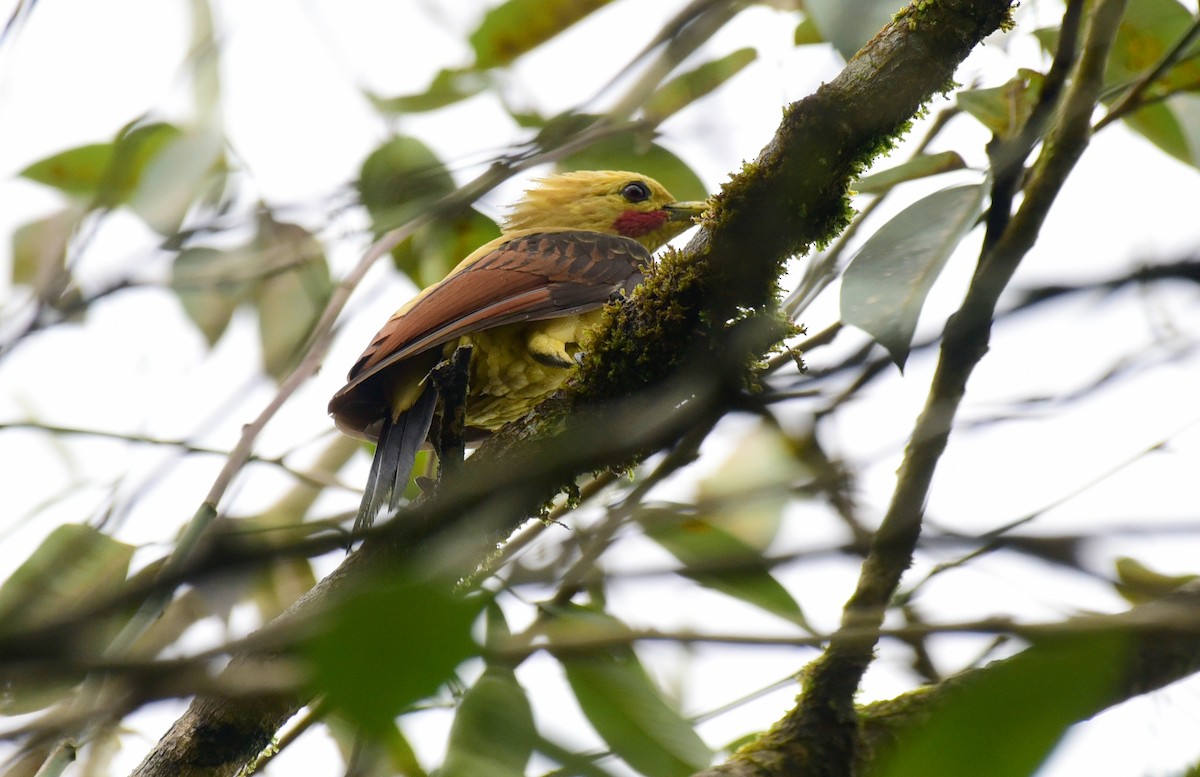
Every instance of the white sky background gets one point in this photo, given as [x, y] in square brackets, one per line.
[295, 115]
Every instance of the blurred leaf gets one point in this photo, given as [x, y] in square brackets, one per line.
[807, 33]
[39, 253]
[1139, 583]
[205, 63]
[133, 150]
[280, 585]
[401, 756]
[624, 152]
[448, 87]
[493, 732]
[389, 646]
[758, 471]
[210, 284]
[1160, 124]
[517, 26]
[716, 559]
[688, 87]
[1186, 108]
[885, 285]
[181, 613]
[292, 296]
[187, 168]
[560, 128]
[73, 564]
[625, 707]
[531, 119]
[369, 756]
[400, 178]
[850, 25]
[30, 690]
[1004, 109]
[156, 168]
[743, 501]
[437, 248]
[77, 171]
[1047, 38]
[1148, 30]
[923, 166]
[1011, 714]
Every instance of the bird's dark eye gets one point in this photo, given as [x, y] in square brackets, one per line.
[635, 191]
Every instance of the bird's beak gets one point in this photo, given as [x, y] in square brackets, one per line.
[685, 211]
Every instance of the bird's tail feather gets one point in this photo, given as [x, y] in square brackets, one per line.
[395, 453]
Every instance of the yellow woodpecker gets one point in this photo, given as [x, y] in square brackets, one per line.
[525, 302]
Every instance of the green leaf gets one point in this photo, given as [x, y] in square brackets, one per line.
[73, 564]
[850, 25]
[923, 166]
[388, 646]
[807, 33]
[722, 543]
[1011, 714]
[625, 706]
[437, 248]
[372, 759]
[156, 168]
[205, 62]
[1160, 124]
[517, 26]
[1138, 583]
[77, 171]
[210, 284]
[292, 296]
[279, 586]
[1148, 30]
[448, 87]
[104, 174]
[493, 732]
[885, 286]
[400, 178]
[716, 559]
[532, 119]
[133, 150]
[39, 252]
[1187, 110]
[559, 129]
[625, 152]
[688, 87]
[186, 168]
[445, 244]
[1004, 109]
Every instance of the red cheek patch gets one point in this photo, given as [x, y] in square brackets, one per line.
[635, 223]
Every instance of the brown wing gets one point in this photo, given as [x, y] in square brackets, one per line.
[546, 274]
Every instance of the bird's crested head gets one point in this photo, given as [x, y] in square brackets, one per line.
[611, 201]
